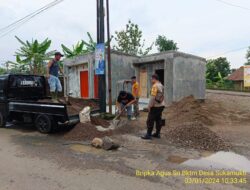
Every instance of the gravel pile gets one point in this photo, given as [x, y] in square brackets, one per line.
[197, 136]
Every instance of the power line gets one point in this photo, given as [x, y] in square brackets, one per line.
[11, 27]
[227, 52]
[233, 5]
[6, 27]
[20, 22]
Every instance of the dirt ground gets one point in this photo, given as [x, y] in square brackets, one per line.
[30, 160]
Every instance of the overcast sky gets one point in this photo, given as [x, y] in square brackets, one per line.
[206, 28]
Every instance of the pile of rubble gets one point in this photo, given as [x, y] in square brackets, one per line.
[195, 135]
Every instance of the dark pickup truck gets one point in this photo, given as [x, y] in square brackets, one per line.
[20, 100]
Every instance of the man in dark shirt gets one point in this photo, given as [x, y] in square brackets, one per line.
[52, 75]
[125, 101]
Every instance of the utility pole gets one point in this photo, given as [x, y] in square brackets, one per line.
[109, 60]
[100, 39]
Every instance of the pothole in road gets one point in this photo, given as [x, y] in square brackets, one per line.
[80, 148]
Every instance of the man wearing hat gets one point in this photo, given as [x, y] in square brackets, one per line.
[52, 75]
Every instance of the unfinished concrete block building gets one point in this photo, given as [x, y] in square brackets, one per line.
[81, 81]
[182, 74]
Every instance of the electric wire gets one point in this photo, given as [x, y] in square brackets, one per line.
[228, 52]
[11, 27]
[233, 5]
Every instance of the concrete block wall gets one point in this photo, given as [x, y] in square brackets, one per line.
[72, 69]
[121, 68]
[184, 74]
[188, 77]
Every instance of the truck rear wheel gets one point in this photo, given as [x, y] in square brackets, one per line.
[43, 123]
[2, 121]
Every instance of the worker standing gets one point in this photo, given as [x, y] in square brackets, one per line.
[52, 75]
[155, 108]
[136, 92]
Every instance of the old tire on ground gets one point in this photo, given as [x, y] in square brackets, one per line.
[43, 123]
[2, 121]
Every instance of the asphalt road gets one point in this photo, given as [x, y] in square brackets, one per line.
[24, 172]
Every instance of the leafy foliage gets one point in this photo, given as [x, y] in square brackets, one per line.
[221, 83]
[220, 65]
[33, 55]
[82, 47]
[164, 44]
[18, 67]
[130, 40]
[248, 57]
[2, 70]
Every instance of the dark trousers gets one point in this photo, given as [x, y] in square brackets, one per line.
[136, 107]
[154, 116]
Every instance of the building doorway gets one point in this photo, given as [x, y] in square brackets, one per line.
[84, 84]
[160, 73]
[144, 82]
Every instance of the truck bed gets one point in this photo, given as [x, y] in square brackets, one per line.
[54, 109]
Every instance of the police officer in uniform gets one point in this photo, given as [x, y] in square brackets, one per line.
[155, 108]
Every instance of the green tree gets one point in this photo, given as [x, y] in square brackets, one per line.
[34, 55]
[82, 47]
[248, 57]
[130, 40]
[164, 44]
[220, 65]
[2, 70]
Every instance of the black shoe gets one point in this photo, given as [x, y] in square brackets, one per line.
[156, 135]
[146, 137]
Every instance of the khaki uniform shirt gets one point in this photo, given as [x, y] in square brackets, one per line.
[157, 87]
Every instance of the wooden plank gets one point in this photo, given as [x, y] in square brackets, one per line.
[143, 83]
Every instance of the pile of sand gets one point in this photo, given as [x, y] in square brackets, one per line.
[86, 131]
[197, 136]
[77, 104]
[190, 110]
